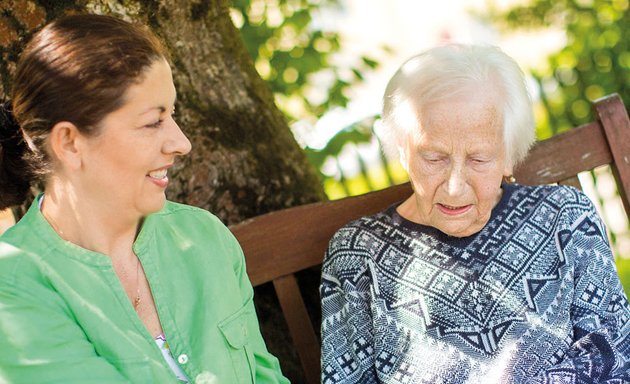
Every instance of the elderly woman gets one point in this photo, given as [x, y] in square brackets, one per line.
[103, 280]
[471, 279]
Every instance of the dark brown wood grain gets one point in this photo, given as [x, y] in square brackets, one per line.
[300, 326]
[293, 239]
[614, 119]
[565, 155]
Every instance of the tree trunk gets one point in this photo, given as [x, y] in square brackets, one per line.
[244, 160]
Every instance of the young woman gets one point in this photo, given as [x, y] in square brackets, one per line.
[103, 279]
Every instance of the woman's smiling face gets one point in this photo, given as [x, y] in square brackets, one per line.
[126, 163]
[456, 162]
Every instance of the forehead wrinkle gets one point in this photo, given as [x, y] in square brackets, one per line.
[438, 129]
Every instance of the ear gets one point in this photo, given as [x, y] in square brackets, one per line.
[65, 144]
[509, 168]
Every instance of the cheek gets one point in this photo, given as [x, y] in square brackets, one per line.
[424, 170]
[487, 195]
[426, 188]
[122, 165]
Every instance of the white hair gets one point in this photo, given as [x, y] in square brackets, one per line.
[453, 70]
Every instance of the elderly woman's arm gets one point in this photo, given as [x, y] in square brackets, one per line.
[347, 337]
[600, 312]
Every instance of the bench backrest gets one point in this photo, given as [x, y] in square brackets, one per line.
[281, 243]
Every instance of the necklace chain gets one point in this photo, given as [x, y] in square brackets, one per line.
[136, 300]
[54, 225]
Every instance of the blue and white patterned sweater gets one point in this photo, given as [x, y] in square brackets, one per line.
[534, 297]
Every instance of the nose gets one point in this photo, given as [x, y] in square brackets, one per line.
[455, 183]
[177, 142]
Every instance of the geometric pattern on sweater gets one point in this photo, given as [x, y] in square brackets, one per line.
[534, 296]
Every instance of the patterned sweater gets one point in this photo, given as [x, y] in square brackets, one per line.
[534, 297]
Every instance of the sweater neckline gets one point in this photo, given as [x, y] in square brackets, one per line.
[460, 242]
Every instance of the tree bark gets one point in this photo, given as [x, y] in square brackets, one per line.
[244, 160]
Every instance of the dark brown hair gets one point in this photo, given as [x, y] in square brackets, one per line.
[75, 69]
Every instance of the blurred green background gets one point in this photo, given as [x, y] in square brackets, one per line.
[295, 48]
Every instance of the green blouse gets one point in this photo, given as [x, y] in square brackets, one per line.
[65, 317]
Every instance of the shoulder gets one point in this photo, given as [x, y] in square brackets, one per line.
[18, 265]
[358, 237]
[366, 226]
[10, 258]
[192, 225]
[560, 197]
[173, 209]
[189, 217]
[541, 192]
[22, 251]
[557, 208]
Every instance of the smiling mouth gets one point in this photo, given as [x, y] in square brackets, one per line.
[159, 175]
[453, 210]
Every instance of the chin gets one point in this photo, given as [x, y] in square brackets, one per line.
[154, 205]
[460, 232]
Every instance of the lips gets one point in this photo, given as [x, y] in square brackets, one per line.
[159, 177]
[453, 210]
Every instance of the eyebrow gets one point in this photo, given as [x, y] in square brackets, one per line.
[160, 108]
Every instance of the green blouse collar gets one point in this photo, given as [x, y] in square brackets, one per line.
[35, 220]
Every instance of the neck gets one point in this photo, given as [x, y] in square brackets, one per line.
[88, 224]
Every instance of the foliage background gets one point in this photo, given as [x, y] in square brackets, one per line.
[594, 62]
[293, 55]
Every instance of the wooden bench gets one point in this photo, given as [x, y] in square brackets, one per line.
[281, 243]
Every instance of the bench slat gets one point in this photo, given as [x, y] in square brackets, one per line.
[300, 326]
[274, 243]
[614, 117]
[545, 165]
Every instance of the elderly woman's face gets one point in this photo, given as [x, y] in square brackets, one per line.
[456, 162]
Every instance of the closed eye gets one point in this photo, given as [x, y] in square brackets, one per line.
[434, 160]
[157, 124]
